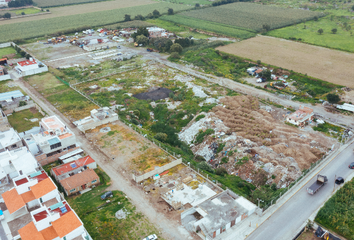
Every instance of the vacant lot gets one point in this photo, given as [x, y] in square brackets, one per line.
[9, 52]
[20, 121]
[80, 9]
[326, 64]
[73, 23]
[252, 16]
[56, 3]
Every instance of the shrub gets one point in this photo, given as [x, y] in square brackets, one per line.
[206, 167]
[224, 160]
[175, 55]
[176, 47]
[199, 158]
[22, 103]
[199, 117]
[201, 135]
[333, 98]
[161, 137]
[221, 171]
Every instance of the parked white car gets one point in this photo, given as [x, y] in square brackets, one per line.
[151, 237]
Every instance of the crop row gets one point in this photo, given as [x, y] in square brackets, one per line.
[209, 26]
[252, 16]
[31, 29]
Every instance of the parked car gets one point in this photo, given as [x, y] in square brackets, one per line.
[339, 180]
[151, 237]
[106, 195]
[351, 166]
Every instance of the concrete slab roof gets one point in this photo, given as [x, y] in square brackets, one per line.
[9, 95]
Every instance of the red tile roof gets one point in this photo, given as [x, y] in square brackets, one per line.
[27, 63]
[30, 232]
[13, 200]
[43, 187]
[41, 177]
[67, 167]
[49, 233]
[28, 196]
[79, 179]
[66, 224]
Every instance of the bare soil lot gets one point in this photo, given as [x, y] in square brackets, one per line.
[82, 8]
[330, 65]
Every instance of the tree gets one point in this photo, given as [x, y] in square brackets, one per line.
[22, 103]
[156, 14]
[139, 17]
[127, 18]
[333, 98]
[197, 5]
[266, 27]
[28, 56]
[259, 62]
[142, 40]
[221, 171]
[266, 74]
[353, 7]
[141, 31]
[315, 18]
[23, 13]
[175, 55]
[320, 31]
[206, 167]
[7, 15]
[176, 47]
[334, 30]
[162, 137]
[170, 11]
[162, 44]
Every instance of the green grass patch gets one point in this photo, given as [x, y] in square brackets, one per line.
[8, 86]
[337, 214]
[27, 11]
[8, 50]
[73, 23]
[342, 40]
[329, 129]
[58, 3]
[214, 27]
[20, 120]
[200, 136]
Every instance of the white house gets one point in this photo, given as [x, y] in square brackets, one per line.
[30, 67]
[301, 116]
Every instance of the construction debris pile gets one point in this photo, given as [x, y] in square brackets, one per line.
[250, 143]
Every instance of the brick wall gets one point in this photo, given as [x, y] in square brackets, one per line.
[44, 160]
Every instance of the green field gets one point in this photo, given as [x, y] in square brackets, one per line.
[218, 28]
[190, 2]
[18, 119]
[342, 40]
[31, 29]
[251, 16]
[8, 50]
[338, 212]
[56, 3]
[27, 11]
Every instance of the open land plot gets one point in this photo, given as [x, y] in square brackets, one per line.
[27, 11]
[80, 9]
[307, 32]
[222, 29]
[337, 213]
[251, 16]
[20, 121]
[9, 85]
[193, 113]
[56, 3]
[72, 23]
[330, 65]
[9, 52]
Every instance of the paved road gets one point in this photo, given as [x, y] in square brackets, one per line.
[287, 220]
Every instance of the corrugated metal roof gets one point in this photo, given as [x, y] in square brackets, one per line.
[7, 95]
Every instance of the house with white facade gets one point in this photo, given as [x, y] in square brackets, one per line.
[36, 210]
[301, 117]
[9, 140]
[30, 67]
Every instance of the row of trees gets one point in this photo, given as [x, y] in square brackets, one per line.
[320, 31]
[6, 15]
[154, 14]
[20, 3]
[21, 52]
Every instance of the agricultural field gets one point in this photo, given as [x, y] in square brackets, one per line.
[221, 29]
[57, 3]
[326, 64]
[80, 9]
[190, 2]
[31, 29]
[307, 32]
[250, 16]
[27, 11]
[337, 214]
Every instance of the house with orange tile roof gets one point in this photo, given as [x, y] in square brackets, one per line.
[36, 211]
[80, 182]
[69, 169]
[301, 117]
[53, 140]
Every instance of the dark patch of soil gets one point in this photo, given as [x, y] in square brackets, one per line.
[154, 94]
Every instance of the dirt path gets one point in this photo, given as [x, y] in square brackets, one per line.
[167, 227]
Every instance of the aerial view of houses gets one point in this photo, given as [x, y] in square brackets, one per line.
[206, 119]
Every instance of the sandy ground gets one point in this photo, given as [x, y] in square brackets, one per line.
[326, 64]
[80, 9]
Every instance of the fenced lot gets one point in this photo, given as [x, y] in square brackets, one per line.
[252, 16]
[326, 64]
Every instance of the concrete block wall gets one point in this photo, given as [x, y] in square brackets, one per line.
[85, 127]
[157, 171]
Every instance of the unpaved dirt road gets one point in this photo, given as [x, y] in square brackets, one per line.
[169, 229]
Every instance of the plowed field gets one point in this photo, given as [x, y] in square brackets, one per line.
[326, 64]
